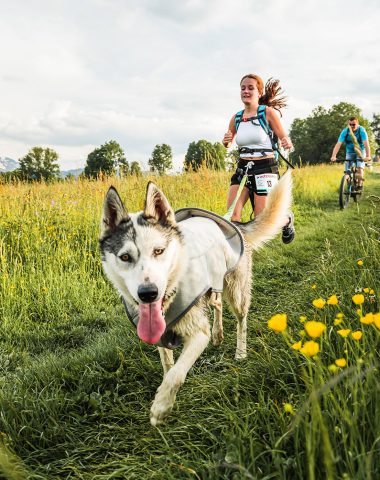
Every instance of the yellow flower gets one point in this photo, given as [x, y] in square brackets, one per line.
[314, 286]
[341, 362]
[366, 290]
[358, 299]
[319, 303]
[359, 312]
[333, 300]
[357, 335]
[310, 348]
[344, 333]
[302, 318]
[297, 346]
[288, 408]
[315, 329]
[367, 319]
[376, 320]
[360, 263]
[371, 292]
[338, 321]
[278, 322]
[333, 368]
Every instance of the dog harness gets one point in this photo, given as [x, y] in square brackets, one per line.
[213, 247]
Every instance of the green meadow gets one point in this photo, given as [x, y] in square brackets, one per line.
[77, 384]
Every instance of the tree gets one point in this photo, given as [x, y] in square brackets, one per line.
[212, 156]
[39, 164]
[375, 125]
[161, 159]
[135, 169]
[108, 159]
[315, 136]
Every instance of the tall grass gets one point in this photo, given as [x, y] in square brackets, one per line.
[76, 384]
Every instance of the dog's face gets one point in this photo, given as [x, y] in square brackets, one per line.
[139, 253]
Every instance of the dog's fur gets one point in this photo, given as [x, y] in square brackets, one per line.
[147, 247]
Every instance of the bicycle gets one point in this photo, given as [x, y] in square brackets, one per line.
[349, 187]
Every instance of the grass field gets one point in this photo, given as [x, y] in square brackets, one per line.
[77, 384]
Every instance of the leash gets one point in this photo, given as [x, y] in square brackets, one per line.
[285, 159]
[230, 211]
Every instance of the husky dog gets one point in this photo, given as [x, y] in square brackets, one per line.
[168, 267]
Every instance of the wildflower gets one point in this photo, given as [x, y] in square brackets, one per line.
[302, 318]
[372, 292]
[341, 362]
[340, 315]
[288, 408]
[315, 329]
[319, 303]
[310, 348]
[367, 319]
[366, 290]
[344, 333]
[333, 300]
[360, 263]
[278, 322]
[333, 368]
[314, 286]
[338, 321]
[297, 346]
[376, 320]
[358, 299]
[357, 335]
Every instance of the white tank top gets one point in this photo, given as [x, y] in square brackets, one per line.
[252, 135]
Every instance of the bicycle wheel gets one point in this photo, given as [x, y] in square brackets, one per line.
[344, 191]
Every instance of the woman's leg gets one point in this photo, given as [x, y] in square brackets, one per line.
[260, 201]
[244, 196]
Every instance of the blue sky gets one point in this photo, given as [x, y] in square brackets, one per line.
[77, 74]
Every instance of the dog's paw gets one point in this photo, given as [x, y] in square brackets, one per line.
[217, 338]
[159, 412]
[240, 355]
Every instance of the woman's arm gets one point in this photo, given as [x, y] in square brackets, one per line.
[230, 135]
[276, 126]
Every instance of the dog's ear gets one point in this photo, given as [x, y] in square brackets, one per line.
[113, 211]
[157, 205]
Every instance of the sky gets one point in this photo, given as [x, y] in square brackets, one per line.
[76, 74]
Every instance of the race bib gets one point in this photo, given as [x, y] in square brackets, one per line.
[265, 182]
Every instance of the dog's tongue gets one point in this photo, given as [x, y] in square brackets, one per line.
[151, 324]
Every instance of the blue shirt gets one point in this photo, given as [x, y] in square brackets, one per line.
[360, 134]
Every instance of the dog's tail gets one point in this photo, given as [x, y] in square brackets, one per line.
[274, 216]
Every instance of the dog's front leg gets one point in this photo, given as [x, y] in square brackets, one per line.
[167, 359]
[174, 378]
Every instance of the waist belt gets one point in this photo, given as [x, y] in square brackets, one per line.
[264, 151]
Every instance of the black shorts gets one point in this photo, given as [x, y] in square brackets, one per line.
[268, 165]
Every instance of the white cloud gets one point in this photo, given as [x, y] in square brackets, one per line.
[77, 74]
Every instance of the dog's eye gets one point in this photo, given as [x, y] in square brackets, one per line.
[125, 257]
[158, 251]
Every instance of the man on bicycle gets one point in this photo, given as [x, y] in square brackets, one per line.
[352, 155]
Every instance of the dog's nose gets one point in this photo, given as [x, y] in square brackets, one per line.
[147, 292]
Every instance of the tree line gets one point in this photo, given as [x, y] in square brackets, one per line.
[313, 137]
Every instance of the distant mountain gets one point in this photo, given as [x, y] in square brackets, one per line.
[75, 172]
[8, 164]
